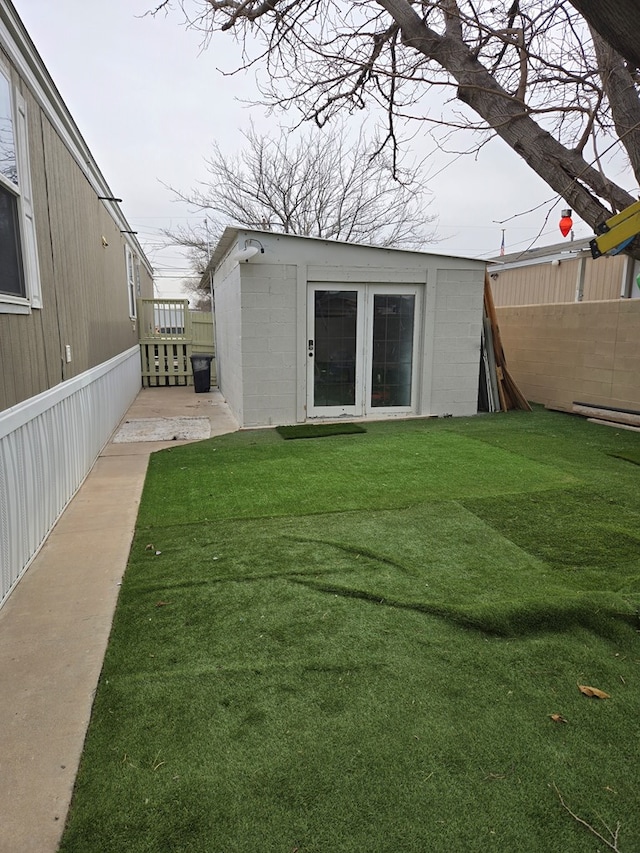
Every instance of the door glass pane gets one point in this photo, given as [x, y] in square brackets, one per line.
[335, 348]
[393, 318]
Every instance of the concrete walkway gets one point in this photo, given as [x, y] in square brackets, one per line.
[55, 626]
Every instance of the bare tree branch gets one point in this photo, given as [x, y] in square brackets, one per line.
[611, 843]
[527, 69]
[320, 184]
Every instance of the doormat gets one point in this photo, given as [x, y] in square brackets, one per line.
[163, 429]
[317, 430]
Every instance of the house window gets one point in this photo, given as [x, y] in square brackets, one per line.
[11, 276]
[133, 280]
[19, 273]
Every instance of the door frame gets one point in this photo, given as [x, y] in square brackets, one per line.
[347, 411]
[364, 349]
[392, 290]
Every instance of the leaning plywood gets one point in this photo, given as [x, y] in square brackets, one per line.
[509, 394]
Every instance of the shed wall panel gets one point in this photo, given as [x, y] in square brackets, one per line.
[269, 316]
[454, 357]
[229, 343]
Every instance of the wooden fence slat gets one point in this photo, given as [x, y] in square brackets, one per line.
[168, 335]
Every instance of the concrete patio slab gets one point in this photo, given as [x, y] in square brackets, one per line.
[163, 429]
[55, 626]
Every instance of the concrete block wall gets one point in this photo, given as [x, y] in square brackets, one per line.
[456, 342]
[262, 316]
[588, 352]
[269, 335]
[229, 341]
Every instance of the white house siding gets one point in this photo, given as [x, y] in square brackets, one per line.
[261, 321]
[48, 445]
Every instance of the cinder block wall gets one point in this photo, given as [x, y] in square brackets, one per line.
[229, 340]
[269, 344]
[456, 330]
[587, 351]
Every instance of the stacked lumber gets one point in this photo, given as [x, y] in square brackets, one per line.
[608, 415]
[499, 387]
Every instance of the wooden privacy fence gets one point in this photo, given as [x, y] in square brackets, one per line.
[169, 334]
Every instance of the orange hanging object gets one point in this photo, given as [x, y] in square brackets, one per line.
[566, 223]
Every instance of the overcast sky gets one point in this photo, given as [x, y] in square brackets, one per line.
[150, 102]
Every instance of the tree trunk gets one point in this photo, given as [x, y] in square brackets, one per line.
[565, 171]
[618, 22]
[623, 99]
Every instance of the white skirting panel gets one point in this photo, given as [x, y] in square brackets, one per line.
[48, 445]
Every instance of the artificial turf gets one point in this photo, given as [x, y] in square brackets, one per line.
[318, 430]
[356, 643]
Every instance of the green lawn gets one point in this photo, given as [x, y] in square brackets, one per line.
[355, 643]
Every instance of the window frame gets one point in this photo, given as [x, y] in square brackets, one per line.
[22, 192]
[132, 265]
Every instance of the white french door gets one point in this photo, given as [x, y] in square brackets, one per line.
[362, 341]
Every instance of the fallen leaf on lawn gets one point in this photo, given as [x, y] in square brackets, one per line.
[162, 604]
[558, 718]
[593, 692]
[150, 547]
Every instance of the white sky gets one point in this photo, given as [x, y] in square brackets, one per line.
[149, 103]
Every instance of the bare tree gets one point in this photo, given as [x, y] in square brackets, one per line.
[528, 70]
[198, 289]
[318, 185]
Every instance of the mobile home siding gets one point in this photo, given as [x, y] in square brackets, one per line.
[544, 283]
[84, 289]
[535, 284]
[56, 413]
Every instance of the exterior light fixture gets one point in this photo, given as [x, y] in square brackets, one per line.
[246, 253]
[249, 251]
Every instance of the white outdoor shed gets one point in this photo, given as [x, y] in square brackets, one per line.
[316, 329]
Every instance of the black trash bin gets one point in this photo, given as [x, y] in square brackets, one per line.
[201, 367]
